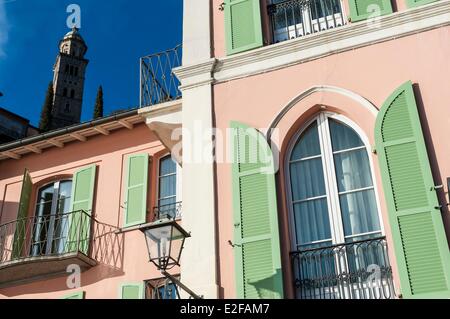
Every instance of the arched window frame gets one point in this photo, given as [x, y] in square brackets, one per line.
[334, 209]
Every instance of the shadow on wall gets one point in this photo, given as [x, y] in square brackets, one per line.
[107, 245]
[8, 211]
[59, 285]
[265, 286]
[433, 159]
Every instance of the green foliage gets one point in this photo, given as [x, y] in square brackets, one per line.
[47, 110]
[98, 109]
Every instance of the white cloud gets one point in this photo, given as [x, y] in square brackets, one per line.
[4, 28]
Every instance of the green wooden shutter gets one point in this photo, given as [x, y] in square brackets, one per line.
[416, 222]
[77, 295]
[242, 25]
[256, 235]
[136, 190]
[132, 291]
[81, 210]
[416, 3]
[364, 9]
[21, 225]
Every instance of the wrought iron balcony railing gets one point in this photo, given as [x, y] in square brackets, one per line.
[44, 236]
[44, 246]
[297, 18]
[358, 270]
[158, 82]
[170, 211]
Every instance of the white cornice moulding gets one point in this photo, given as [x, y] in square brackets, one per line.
[318, 45]
[161, 109]
[195, 75]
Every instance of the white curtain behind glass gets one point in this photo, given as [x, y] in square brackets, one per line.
[356, 194]
[309, 196]
[167, 182]
[355, 185]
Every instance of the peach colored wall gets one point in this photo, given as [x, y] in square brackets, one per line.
[218, 22]
[373, 72]
[127, 260]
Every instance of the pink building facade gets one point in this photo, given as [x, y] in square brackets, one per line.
[313, 163]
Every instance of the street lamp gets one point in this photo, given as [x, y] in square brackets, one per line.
[165, 241]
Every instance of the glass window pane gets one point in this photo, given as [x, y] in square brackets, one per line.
[46, 195]
[167, 292]
[359, 213]
[167, 186]
[167, 204]
[167, 166]
[343, 137]
[317, 9]
[167, 183]
[307, 179]
[65, 191]
[353, 170]
[308, 144]
[312, 221]
[44, 206]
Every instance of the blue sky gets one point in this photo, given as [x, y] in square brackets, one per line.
[118, 33]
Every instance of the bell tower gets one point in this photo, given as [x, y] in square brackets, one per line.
[68, 80]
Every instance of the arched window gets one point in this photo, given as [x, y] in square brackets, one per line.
[65, 92]
[332, 191]
[167, 187]
[67, 68]
[67, 108]
[76, 71]
[335, 218]
[71, 70]
[72, 93]
[50, 229]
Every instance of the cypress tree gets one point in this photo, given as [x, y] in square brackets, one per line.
[47, 109]
[98, 109]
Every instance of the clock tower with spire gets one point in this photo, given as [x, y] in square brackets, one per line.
[68, 80]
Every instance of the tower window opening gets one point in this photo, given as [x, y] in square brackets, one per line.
[65, 92]
[67, 108]
[72, 94]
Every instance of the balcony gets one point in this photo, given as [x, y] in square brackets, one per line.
[358, 270]
[297, 18]
[42, 247]
[170, 211]
[158, 82]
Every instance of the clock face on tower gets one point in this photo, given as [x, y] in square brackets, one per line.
[68, 80]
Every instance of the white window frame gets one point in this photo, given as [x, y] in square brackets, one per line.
[53, 210]
[334, 209]
[179, 183]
